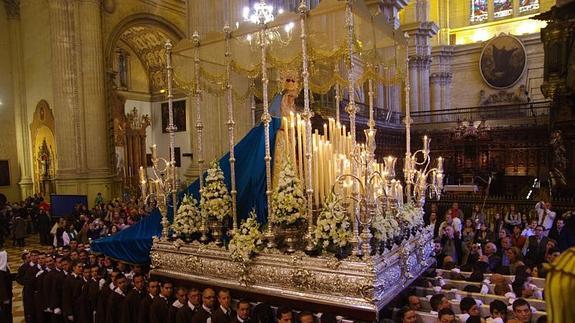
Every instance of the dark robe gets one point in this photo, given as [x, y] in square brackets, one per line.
[172, 313]
[201, 316]
[115, 307]
[28, 293]
[131, 308]
[145, 304]
[220, 317]
[90, 293]
[40, 301]
[5, 296]
[235, 320]
[159, 310]
[71, 297]
[102, 303]
[54, 283]
[185, 314]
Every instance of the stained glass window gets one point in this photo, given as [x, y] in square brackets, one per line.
[502, 8]
[478, 10]
[528, 5]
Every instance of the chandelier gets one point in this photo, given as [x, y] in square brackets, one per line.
[262, 14]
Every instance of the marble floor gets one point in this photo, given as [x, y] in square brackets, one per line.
[14, 261]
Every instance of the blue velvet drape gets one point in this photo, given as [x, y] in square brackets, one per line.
[134, 243]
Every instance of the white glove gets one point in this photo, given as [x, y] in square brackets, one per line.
[70, 317]
[57, 311]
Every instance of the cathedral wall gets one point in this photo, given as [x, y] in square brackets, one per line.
[467, 81]
[8, 141]
[37, 60]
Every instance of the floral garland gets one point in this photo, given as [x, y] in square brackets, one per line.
[411, 215]
[188, 218]
[246, 240]
[333, 227]
[288, 200]
[384, 228]
[215, 199]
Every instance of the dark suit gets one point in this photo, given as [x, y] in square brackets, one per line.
[71, 297]
[114, 307]
[235, 320]
[102, 303]
[90, 295]
[29, 281]
[144, 315]
[201, 316]
[40, 300]
[536, 250]
[132, 306]
[564, 238]
[185, 314]
[159, 310]
[172, 312]
[220, 317]
[55, 283]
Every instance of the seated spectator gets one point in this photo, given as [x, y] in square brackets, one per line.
[517, 239]
[564, 236]
[446, 315]
[407, 315]
[524, 289]
[551, 255]
[501, 289]
[438, 302]
[414, 303]
[515, 259]
[438, 251]
[468, 308]
[498, 311]
[521, 311]
[493, 260]
[483, 236]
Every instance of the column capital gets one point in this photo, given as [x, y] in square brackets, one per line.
[12, 9]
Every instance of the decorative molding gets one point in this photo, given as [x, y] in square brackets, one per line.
[12, 9]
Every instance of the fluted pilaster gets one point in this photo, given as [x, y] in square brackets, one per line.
[92, 68]
[23, 145]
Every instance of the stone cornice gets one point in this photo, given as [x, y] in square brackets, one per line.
[422, 28]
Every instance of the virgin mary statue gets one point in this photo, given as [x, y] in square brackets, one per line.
[290, 91]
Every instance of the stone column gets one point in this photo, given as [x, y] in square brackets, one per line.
[414, 84]
[23, 143]
[442, 69]
[65, 86]
[424, 64]
[92, 76]
[436, 94]
[390, 10]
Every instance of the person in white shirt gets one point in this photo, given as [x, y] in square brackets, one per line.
[529, 230]
[545, 216]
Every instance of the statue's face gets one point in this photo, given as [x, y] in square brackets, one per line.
[291, 86]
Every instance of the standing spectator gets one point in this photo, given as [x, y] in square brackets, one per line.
[43, 226]
[512, 218]
[451, 244]
[545, 217]
[99, 199]
[477, 216]
[5, 289]
[518, 240]
[563, 235]
[530, 230]
[537, 246]
[19, 229]
[455, 212]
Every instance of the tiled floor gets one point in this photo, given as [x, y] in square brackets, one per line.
[14, 261]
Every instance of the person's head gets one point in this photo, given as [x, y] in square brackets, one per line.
[506, 243]
[181, 294]
[476, 207]
[449, 231]
[522, 310]
[439, 302]
[153, 287]
[243, 309]
[195, 296]
[498, 309]
[49, 262]
[514, 254]
[560, 223]
[533, 224]
[73, 244]
[490, 249]
[34, 256]
[446, 315]
[469, 223]
[87, 273]
[138, 282]
[78, 268]
[455, 205]
[74, 255]
[224, 298]
[469, 306]
[539, 231]
[483, 227]
[284, 315]
[209, 297]
[517, 230]
[552, 254]
[501, 289]
[66, 264]
[407, 315]
[437, 248]
[166, 289]
[502, 233]
[121, 282]
[432, 217]
[414, 302]
[95, 272]
[306, 317]
[522, 288]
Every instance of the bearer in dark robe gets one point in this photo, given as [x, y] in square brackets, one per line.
[54, 283]
[116, 300]
[224, 313]
[40, 300]
[207, 309]
[133, 298]
[105, 291]
[181, 299]
[160, 306]
[186, 313]
[71, 300]
[5, 289]
[153, 290]
[29, 281]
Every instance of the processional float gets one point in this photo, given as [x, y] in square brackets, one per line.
[354, 237]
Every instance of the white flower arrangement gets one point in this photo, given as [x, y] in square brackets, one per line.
[384, 227]
[215, 199]
[188, 218]
[411, 215]
[288, 200]
[246, 240]
[333, 229]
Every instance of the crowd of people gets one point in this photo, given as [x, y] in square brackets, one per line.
[499, 259]
[32, 216]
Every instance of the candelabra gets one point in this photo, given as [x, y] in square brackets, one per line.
[419, 177]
